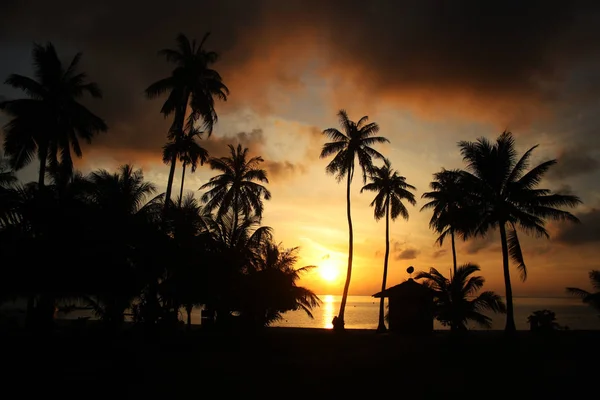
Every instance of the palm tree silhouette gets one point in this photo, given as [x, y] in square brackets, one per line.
[188, 151]
[455, 301]
[505, 195]
[272, 285]
[592, 299]
[7, 175]
[354, 142]
[50, 120]
[192, 83]
[391, 189]
[236, 188]
[450, 211]
[125, 209]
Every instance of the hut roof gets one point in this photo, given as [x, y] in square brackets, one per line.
[408, 288]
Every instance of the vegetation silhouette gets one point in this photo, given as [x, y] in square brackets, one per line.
[235, 188]
[110, 243]
[391, 189]
[451, 212]
[188, 151]
[50, 120]
[191, 84]
[593, 299]
[543, 321]
[456, 300]
[354, 142]
[503, 194]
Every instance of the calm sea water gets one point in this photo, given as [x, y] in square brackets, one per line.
[362, 312]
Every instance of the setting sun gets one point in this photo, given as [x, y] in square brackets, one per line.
[328, 270]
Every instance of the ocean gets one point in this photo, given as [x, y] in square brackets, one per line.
[362, 312]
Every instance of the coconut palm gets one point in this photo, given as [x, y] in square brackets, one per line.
[505, 195]
[353, 143]
[455, 301]
[192, 83]
[592, 299]
[391, 189]
[188, 151]
[236, 188]
[126, 212]
[50, 121]
[271, 286]
[450, 209]
[7, 175]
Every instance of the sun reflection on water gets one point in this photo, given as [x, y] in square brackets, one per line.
[328, 311]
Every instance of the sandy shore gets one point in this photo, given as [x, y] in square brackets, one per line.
[308, 363]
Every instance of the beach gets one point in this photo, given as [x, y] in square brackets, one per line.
[284, 363]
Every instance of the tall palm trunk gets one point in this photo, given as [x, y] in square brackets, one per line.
[510, 319]
[181, 190]
[339, 324]
[453, 249]
[170, 181]
[381, 326]
[178, 125]
[30, 316]
[43, 156]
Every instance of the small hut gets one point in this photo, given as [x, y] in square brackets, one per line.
[410, 307]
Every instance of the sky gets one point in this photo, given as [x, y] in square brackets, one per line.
[430, 73]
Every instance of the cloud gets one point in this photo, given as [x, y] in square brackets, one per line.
[496, 59]
[572, 162]
[407, 254]
[475, 245]
[586, 232]
[439, 253]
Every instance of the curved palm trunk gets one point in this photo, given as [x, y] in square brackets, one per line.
[339, 322]
[381, 326]
[510, 319]
[181, 190]
[453, 250]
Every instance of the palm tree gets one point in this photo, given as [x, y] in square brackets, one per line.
[192, 83]
[7, 175]
[50, 120]
[450, 211]
[354, 143]
[271, 286]
[235, 188]
[592, 299]
[504, 195]
[234, 250]
[455, 301]
[391, 189]
[125, 211]
[188, 151]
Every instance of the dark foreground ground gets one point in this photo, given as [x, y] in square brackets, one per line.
[300, 363]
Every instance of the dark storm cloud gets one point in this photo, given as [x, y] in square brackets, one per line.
[586, 232]
[574, 162]
[497, 55]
